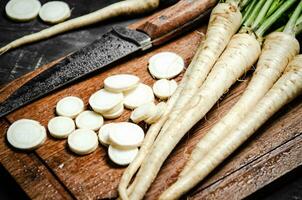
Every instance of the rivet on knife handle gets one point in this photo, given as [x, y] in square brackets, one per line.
[172, 21]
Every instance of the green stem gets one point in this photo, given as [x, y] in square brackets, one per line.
[289, 27]
[244, 3]
[262, 14]
[280, 29]
[276, 4]
[299, 20]
[298, 27]
[248, 10]
[253, 14]
[274, 17]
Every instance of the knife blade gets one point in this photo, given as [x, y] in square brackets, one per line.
[109, 48]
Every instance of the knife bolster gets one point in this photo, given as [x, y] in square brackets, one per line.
[138, 37]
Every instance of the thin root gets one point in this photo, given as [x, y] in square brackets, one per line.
[4, 49]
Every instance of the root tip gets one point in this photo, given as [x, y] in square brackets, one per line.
[4, 49]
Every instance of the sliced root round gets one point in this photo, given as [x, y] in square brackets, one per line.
[89, 120]
[26, 134]
[126, 135]
[160, 109]
[103, 100]
[140, 95]
[115, 112]
[22, 10]
[143, 112]
[164, 88]
[54, 12]
[70, 106]
[122, 156]
[165, 65]
[121, 82]
[61, 127]
[82, 141]
[104, 133]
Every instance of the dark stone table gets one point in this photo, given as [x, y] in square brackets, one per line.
[25, 59]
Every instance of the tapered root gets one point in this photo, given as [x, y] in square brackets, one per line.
[224, 22]
[4, 49]
[145, 147]
[278, 49]
[127, 7]
[221, 28]
[241, 53]
[284, 90]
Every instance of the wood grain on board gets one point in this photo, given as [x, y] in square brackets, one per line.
[29, 172]
[53, 172]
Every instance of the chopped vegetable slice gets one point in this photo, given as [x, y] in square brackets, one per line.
[54, 12]
[82, 141]
[89, 120]
[22, 10]
[104, 133]
[165, 65]
[143, 112]
[26, 134]
[70, 106]
[61, 127]
[122, 156]
[126, 135]
[121, 82]
[115, 112]
[103, 100]
[164, 88]
[140, 95]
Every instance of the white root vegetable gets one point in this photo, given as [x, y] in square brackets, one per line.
[145, 147]
[103, 100]
[70, 106]
[82, 141]
[164, 88]
[140, 95]
[104, 134]
[127, 7]
[240, 54]
[160, 109]
[126, 135]
[22, 10]
[114, 109]
[61, 127]
[165, 65]
[143, 112]
[278, 49]
[122, 156]
[224, 21]
[284, 90]
[26, 134]
[54, 12]
[89, 120]
[115, 112]
[121, 82]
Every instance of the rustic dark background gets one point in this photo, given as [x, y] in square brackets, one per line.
[25, 59]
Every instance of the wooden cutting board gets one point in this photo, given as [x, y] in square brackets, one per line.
[53, 172]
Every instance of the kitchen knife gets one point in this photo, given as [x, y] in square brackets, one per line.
[110, 47]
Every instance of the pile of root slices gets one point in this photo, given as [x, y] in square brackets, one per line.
[85, 128]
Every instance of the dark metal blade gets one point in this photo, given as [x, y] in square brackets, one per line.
[111, 47]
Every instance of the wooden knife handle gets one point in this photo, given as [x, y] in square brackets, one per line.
[174, 19]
